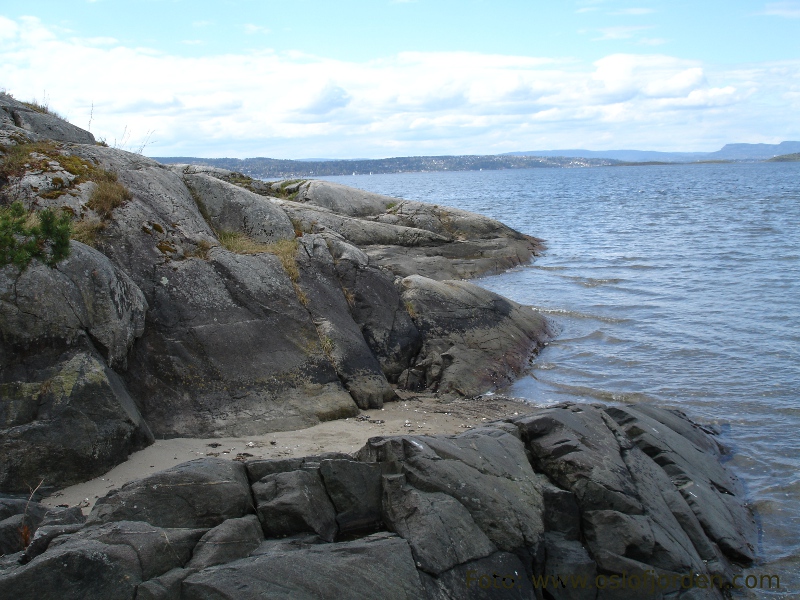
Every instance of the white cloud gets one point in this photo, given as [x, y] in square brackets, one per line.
[621, 32]
[295, 105]
[789, 10]
[251, 29]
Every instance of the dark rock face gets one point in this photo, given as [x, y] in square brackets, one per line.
[376, 565]
[201, 493]
[474, 340]
[526, 508]
[73, 422]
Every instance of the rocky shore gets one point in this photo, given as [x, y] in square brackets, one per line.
[199, 303]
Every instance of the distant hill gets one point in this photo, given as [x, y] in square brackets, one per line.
[267, 168]
[728, 152]
[786, 158]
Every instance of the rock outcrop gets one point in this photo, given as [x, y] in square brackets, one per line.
[211, 304]
[564, 502]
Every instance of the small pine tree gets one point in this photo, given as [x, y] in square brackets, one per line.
[22, 238]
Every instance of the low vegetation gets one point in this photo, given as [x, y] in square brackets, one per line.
[26, 235]
[86, 231]
[107, 194]
[241, 243]
[46, 234]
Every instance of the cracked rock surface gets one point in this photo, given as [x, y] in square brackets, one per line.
[566, 492]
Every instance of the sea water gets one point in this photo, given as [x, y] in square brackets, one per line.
[676, 285]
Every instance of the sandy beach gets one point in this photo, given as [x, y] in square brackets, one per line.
[415, 413]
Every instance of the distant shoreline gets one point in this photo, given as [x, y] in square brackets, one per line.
[273, 168]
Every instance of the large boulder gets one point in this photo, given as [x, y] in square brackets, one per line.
[199, 494]
[102, 562]
[41, 123]
[474, 339]
[376, 566]
[73, 422]
[232, 208]
[84, 296]
[295, 502]
[355, 363]
[377, 307]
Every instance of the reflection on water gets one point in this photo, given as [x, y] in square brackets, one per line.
[678, 285]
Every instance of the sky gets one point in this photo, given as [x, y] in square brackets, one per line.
[381, 78]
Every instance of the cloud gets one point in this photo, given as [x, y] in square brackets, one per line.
[292, 104]
[651, 41]
[789, 10]
[327, 100]
[621, 32]
[251, 29]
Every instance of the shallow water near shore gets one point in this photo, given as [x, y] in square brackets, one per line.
[677, 285]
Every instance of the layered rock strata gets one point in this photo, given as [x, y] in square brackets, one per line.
[565, 502]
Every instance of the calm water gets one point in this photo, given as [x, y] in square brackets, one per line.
[677, 285]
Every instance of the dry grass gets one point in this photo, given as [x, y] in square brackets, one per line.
[108, 194]
[201, 250]
[285, 250]
[86, 231]
[327, 346]
[241, 243]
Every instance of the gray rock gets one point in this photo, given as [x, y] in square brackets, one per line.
[377, 308]
[198, 494]
[355, 491]
[474, 340]
[569, 571]
[343, 200]
[438, 528]
[575, 449]
[375, 566]
[233, 208]
[85, 295]
[164, 587]
[711, 491]
[42, 124]
[504, 499]
[633, 516]
[13, 532]
[501, 576]
[43, 536]
[561, 513]
[359, 232]
[295, 502]
[261, 467]
[230, 540]
[74, 421]
[158, 550]
[101, 562]
[355, 363]
[80, 570]
[230, 350]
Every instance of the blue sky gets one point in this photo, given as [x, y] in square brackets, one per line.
[373, 78]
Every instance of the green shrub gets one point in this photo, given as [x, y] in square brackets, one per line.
[25, 235]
